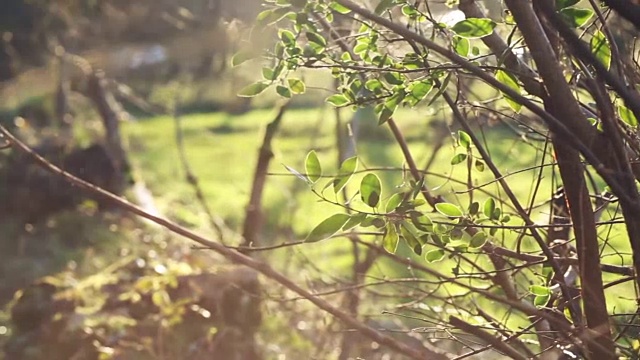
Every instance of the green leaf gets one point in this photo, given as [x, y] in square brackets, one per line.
[420, 89]
[478, 240]
[461, 46]
[374, 85]
[339, 8]
[421, 221]
[354, 220]
[458, 158]
[479, 165]
[600, 48]
[464, 139]
[337, 100]
[283, 91]
[434, 255]
[383, 6]
[489, 207]
[242, 56]
[312, 166]
[297, 86]
[507, 79]
[410, 237]
[390, 238]
[473, 28]
[287, 37]
[539, 290]
[541, 300]
[627, 116]
[474, 208]
[576, 17]
[327, 227]
[345, 173]
[370, 190]
[561, 4]
[316, 38]
[267, 73]
[394, 201]
[449, 210]
[253, 89]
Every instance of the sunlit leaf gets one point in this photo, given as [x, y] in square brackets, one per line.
[242, 56]
[345, 173]
[464, 139]
[627, 116]
[461, 46]
[507, 79]
[458, 158]
[390, 238]
[421, 221]
[370, 190]
[410, 237]
[339, 8]
[600, 48]
[576, 17]
[489, 207]
[327, 227]
[434, 255]
[473, 28]
[337, 100]
[448, 209]
[539, 290]
[478, 240]
[354, 220]
[394, 201]
[253, 89]
[283, 91]
[297, 86]
[312, 166]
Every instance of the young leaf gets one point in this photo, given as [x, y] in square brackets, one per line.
[283, 91]
[473, 28]
[539, 290]
[394, 201]
[627, 116]
[461, 46]
[370, 190]
[339, 8]
[434, 255]
[449, 210]
[253, 89]
[464, 139]
[600, 48]
[337, 100]
[327, 227]
[345, 172]
[354, 220]
[478, 240]
[242, 56]
[421, 221]
[458, 158]
[411, 239]
[312, 166]
[507, 79]
[489, 207]
[474, 207]
[479, 165]
[297, 86]
[390, 238]
[576, 17]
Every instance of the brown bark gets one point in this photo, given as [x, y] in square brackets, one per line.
[253, 216]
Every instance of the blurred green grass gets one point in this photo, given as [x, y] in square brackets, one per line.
[222, 150]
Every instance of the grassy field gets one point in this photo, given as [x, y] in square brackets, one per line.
[222, 150]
